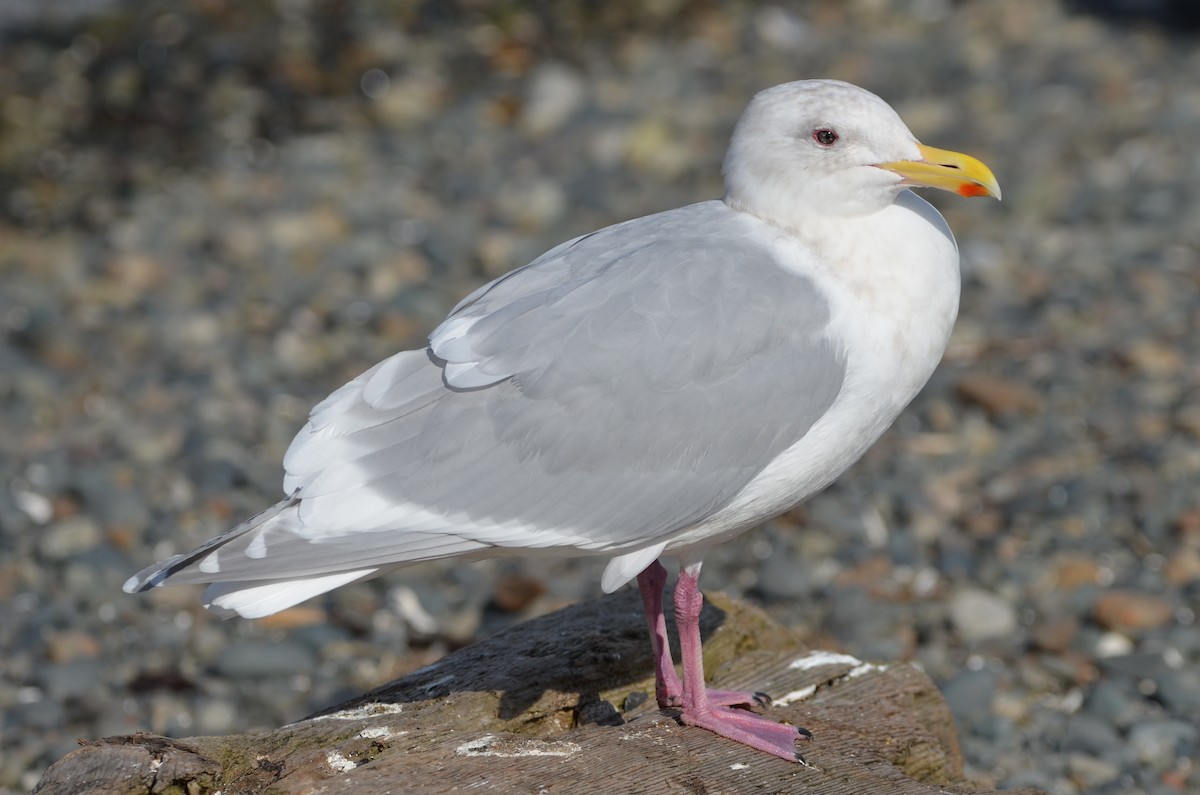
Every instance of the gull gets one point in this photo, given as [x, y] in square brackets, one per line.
[644, 391]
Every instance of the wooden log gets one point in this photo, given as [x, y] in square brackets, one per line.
[564, 704]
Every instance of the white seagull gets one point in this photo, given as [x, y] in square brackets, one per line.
[646, 390]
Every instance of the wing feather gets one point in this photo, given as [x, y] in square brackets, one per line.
[616, 391]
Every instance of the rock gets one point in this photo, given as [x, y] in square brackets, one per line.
[554, 93]
[70, 679]
[304, 615]
[216, 716]
[1073, 571]
[780, 579]
[1031, 779]
[1056, 635]
[1090, 736]
[532, 204]
[980, 615]
[67, 645]
[1131, 611]
[70, 536]
[261, 659]
[1112, 644]
[1140, 666]
[1161, 744]
[1183, 566]
[969, 695]
[998, 396]
[1179, 690]
[1090, 771]
[515, 592]
[1152, 358]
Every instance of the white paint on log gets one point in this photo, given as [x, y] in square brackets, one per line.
[339, 763]
[865, 668]
[491, 745]
[816, 659]
[819, 659]
[795, 695]
[361, 712]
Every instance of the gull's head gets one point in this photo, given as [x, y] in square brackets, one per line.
[826, 148]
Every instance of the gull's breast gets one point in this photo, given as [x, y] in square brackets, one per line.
[892, 282]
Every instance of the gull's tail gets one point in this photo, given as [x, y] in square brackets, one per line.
[272, 561]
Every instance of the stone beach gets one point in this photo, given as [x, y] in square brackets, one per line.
[214, 213]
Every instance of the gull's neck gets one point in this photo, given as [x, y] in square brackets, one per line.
[797, 213]
[811, 227]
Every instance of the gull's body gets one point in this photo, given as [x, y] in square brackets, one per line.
[649, 389]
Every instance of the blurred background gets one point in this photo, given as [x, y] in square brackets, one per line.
[213, 213]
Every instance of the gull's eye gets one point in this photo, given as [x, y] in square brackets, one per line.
[825, 137]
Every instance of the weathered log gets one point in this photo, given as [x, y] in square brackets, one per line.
[565, 704]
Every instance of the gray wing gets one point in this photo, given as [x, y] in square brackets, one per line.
[624, 386]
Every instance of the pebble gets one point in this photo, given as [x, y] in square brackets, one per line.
[555, 93]
[1090, 736]
[1131, 611]
[1090, 771]
[1183, 568]
[981, 615]
[516, 592]
[67, 645]
[70, 679]
[1179, 690]
[70, 536]
[250, 659]
[969, 695]
[1057, 634]
[1035, 780]
[215, 716]
[1112, 704]
[998, 396]
[1073, 571]
[779, 579]
[1162, 744]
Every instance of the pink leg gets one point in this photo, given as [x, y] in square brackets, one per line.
[667, 687]
[668, 690]
[697, 708]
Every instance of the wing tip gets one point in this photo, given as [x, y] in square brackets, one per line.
[156, 575]
[159, 573]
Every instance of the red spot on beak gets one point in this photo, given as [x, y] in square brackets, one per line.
[970, 189]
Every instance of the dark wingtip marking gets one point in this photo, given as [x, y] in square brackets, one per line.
[157, 575]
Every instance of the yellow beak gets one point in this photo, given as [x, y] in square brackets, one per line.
[940, 168]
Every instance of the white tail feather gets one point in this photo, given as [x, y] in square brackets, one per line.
[258, 598]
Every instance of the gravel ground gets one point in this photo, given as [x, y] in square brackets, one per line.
[215, 213]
